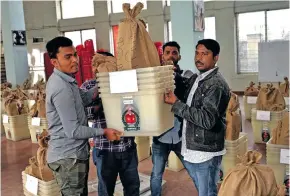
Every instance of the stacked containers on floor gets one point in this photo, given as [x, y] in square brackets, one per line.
[36, 126]
[16, 127]
[44, 188]
[249, 104]
[281, 171]
[234, 149]
[262, 129]
[143, 147]
[141, 113]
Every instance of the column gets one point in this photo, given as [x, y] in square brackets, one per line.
[15, 56]
[183, 31]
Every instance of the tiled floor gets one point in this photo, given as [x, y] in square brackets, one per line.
[15, 155]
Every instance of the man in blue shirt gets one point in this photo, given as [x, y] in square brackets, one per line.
[170, 140]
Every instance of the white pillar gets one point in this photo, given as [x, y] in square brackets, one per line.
[15, 56]
[183, 32]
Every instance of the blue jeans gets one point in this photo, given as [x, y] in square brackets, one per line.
[97, 159]
[160, 153]
[205, 175]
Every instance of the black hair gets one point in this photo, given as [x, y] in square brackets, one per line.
[211, 45]
[171, 44]
[105, 54]
[53, 45]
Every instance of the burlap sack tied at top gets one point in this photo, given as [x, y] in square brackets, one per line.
[104, 63]
[249, 178]
[280, 135]
[135, 48]
[251, 90]
[270, 99]
[38, 165]
[233, 118]
[38, 109]
[284, 87]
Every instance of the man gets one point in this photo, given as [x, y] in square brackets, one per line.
[68, 150]
[170, 140]
[204, 125]
[112, 158]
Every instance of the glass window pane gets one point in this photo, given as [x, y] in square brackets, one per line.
[278, 25]
[89, 34]
[75, 36]
[209, 31]
[168, 2]
[117, 4]
[251, 31]
[77, 8]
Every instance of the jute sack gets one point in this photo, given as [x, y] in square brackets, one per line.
[280, 135]
[251, 90]
[233, 118]
[270, 99]
[135, 48]
[249, 178]
[284, 87]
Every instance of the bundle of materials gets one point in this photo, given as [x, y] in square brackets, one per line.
[37, 164]
[14, 103]
[135, 48]
[270, 99]
[284, 87]
[271, 102]
[38, 109]
[27, 84]
[233, 118]
[104, 63]
[251, 90]
[251, 178]
[280, 135]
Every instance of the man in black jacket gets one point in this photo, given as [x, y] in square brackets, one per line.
[170, 140]
[203, 113]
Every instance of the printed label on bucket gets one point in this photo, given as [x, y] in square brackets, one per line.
[265, 135]
[130, 115]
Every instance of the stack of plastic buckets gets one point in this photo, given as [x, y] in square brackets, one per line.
[148, 112]
[262, 129]
[36, 130]
[234, 149]
[16, 127]
[281, 171]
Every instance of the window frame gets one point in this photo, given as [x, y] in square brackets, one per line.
[238, 66]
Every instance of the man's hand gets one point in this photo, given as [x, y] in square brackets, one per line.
[169, 97]
[112, 134]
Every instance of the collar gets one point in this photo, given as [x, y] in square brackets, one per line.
[64, 76]
[207, 74]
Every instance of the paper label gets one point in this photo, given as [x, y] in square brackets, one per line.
[90, 124]
[263, 115]
[123, 81]
[284, 156]
[251, 100]
[35, 121]
[31, 184]
[5, 119]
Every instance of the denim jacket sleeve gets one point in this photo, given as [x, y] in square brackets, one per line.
[204, 116]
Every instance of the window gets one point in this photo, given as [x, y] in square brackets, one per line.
[209, 31]
[79, 37]
[77, 8]
[117, 5]
[256, 27]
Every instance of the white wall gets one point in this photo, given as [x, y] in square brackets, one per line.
[42, 19]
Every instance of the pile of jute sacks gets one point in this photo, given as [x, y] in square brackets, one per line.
[19, 106]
